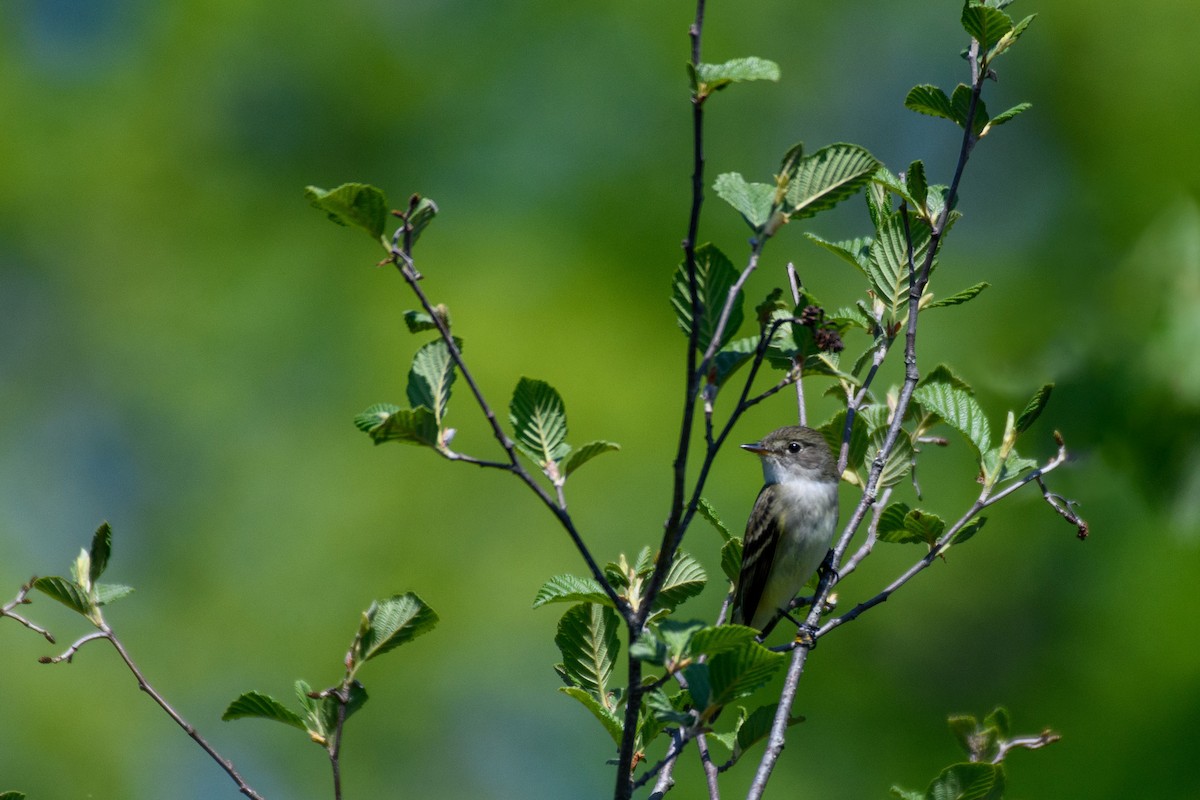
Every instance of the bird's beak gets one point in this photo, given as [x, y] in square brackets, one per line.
[756, 447]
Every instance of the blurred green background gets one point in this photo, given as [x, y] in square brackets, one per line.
[185, 342]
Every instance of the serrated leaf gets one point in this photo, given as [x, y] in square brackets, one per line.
[355, 204]
[711, 640]
[970, 529]
[860, 438]
[685, 579]
[108, 593]
[709, 513]
[586, 453]
[649, 648]
[611, 722]
[757, 726]
[888, 266]
[1000, 720]
[891, 526]
[715, 276]
[915, 183]
[931, 100]
[385, 422]
[963, 727]
[738, 673]
[389, 623]
[570, 589]
[100, 551]
[856, 252]
[1009, 114]
[976, 781]
[677, 635]
[753, 201]
[587, 639]
[957, 407]
[970, 293]
[985, 24]
[1010, 38]
[539, 420]
[960, 101]
[731, 559]
[751, 68]
[69, 593]
[431, 377]
[262, 706]
[731, 358]
[1035, 406]
[827, 177]
[898, 463]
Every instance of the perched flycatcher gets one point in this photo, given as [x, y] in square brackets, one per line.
[791, 526]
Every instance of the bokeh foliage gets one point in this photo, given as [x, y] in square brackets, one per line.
[185, 346]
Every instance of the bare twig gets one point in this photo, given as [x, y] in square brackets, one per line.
[106, 633]
[710, 769]
[21, 599]
[794, 283]
[1026, 742]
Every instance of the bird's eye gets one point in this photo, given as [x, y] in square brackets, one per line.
[795, 447]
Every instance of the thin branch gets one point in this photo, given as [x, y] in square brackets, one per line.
[187, 727]
[68, 655]
[710, 769]
[666, 765]
[341, 694]
[794, 282]
[22, 599]
[402, 258]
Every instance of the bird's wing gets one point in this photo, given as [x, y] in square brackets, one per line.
[758, 553]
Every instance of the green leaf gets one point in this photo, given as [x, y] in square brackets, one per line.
[970, 529]
[856, 252]
[100, 552]
[355, 204]
[859, 437]
[961, 102]
[389, 623]
[753, 201]
[13, 795]
[431, 376]
[108, 593]
[69, 593]
[827, 177]
[888, 267]
[929, 99]
[899, 524]
[257, 704]
[715, 276]
[570, 589]
[915, 183]
[963, 727]
[737, 673]
[1009, 114]
[685, 579]
[385, 422]
[1034, 408]
[731, 358]
[677, 636]
[1000, 720]
[419, 321]
[970, 293]
[751, 68]
[757, 726]
[1010, 38]
[968, 782]
[906, 794]
[539, 420]
[611, 722]
[947, 396]
[731, 559]
[898, 463]
[709, 513]
[711, 640]
[587, 639]
[325, 711]
[985, 24]
[420, 217]
[586, 453]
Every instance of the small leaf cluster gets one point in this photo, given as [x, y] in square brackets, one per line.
[993, 32]
[82, 592]
[385, 625]
[718, 665]
[982, 776]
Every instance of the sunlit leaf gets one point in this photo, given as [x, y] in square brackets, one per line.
[539, 420]
[827, 177]
[356, 204]
[570, 589]
[257, 704]
[586, 453]
[389, 623]
[587, 639]
[715, 276]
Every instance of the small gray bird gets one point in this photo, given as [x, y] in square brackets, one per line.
[791, 526]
